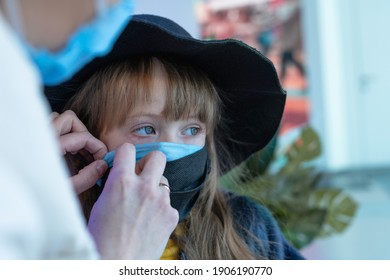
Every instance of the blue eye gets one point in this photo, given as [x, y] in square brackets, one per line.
[145, 130]
[192, 131]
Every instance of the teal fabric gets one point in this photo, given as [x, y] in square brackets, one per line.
[90, 41]
[172, 151]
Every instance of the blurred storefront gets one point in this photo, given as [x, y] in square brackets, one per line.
[274, 28]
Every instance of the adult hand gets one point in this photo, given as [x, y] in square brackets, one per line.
[133, 218]
[75, 138]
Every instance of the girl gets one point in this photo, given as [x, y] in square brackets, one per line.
[163, 96]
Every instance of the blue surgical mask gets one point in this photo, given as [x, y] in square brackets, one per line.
[88, 42]
[186, 170]
[172, 151]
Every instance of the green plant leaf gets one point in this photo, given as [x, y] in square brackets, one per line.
[305, 148]
[340, 209]
[234, 178]
[259, 162]
[303, 229]
[303, 210]
[253, 167]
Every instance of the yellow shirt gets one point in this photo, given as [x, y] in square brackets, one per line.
[171, 251]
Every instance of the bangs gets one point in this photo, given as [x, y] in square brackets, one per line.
[110, 95]
[124, 86]
[190, 94]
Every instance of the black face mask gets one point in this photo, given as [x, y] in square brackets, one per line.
[186, 177]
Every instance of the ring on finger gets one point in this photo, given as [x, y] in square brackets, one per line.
[165, 186]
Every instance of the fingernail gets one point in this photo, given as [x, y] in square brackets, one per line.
[101, 167]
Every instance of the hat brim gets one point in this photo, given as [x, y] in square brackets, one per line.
[253, 99]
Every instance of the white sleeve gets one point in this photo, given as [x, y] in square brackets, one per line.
[40, 217]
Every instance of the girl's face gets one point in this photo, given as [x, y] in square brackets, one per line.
[146, 123]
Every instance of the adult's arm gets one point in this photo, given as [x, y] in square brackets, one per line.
[39, 214]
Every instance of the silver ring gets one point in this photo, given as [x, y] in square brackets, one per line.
[165, 186]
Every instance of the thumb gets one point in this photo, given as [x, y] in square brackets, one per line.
[89, 175]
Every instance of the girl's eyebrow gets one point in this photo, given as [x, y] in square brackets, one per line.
[130, 120]
[141, 115]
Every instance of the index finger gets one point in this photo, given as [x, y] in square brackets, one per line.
[125, 157]
[77, 141]
[68, 122]
[152, 165]
[54, 115]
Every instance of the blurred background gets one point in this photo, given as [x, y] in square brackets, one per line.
[331, 57]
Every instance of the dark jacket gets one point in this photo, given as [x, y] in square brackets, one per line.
[259, 221]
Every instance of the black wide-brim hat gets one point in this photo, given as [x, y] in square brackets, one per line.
[253, 99]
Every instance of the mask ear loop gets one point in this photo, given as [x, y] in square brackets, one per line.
[14, 13]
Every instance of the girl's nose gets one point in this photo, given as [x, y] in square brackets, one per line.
[169, 137]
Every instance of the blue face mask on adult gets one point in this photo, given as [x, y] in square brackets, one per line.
[87, 42]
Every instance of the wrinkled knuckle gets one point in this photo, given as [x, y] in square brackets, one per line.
[88, 136]
[69, 113]
[89, 139]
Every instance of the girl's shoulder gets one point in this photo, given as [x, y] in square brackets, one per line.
[256, 223]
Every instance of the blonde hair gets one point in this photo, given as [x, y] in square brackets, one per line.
[210, 231]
